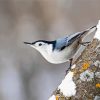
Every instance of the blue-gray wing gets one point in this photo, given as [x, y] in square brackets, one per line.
[64, 42]
[80, 35]
[61, 43]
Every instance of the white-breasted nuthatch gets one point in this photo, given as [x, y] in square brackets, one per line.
[62, 49]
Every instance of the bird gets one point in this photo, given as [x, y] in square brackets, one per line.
[62, 49]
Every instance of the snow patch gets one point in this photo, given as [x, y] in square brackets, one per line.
[87, 76]
[68, 87]
[52, 97]
[97, 98]
[97, 63]
[73, 66]
[97, 34]
[97, 74]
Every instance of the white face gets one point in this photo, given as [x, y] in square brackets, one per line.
[42, 47]
[45, 49]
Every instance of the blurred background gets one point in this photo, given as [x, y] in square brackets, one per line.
[24, 74]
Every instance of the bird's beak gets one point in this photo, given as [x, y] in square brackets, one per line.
[30, 44]
[27, 43]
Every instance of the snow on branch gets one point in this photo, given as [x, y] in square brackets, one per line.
[52, 97]
[97, 34]
[67, 87]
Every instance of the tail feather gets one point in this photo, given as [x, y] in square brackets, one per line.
[89, 30]
[80, 35]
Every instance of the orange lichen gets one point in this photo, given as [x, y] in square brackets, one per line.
[85, 66]
[57, 97]
[98, 85]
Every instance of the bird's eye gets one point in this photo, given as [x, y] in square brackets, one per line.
[40, 44]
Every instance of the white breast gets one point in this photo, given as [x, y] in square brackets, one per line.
[57, 56]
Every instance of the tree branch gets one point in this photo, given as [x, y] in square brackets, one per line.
[83, 81]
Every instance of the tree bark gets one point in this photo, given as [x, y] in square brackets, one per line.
[86, 74]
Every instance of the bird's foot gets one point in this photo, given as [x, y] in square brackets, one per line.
[84, 43]
[71, 60]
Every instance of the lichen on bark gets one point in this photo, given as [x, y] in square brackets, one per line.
[86, 89]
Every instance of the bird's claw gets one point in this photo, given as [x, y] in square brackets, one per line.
[84, 43]
[71, 60]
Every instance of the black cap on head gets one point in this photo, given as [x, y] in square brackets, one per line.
[48, 42]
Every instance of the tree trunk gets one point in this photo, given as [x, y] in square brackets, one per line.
[83, 81]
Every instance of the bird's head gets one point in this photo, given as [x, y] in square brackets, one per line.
[42, 45]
